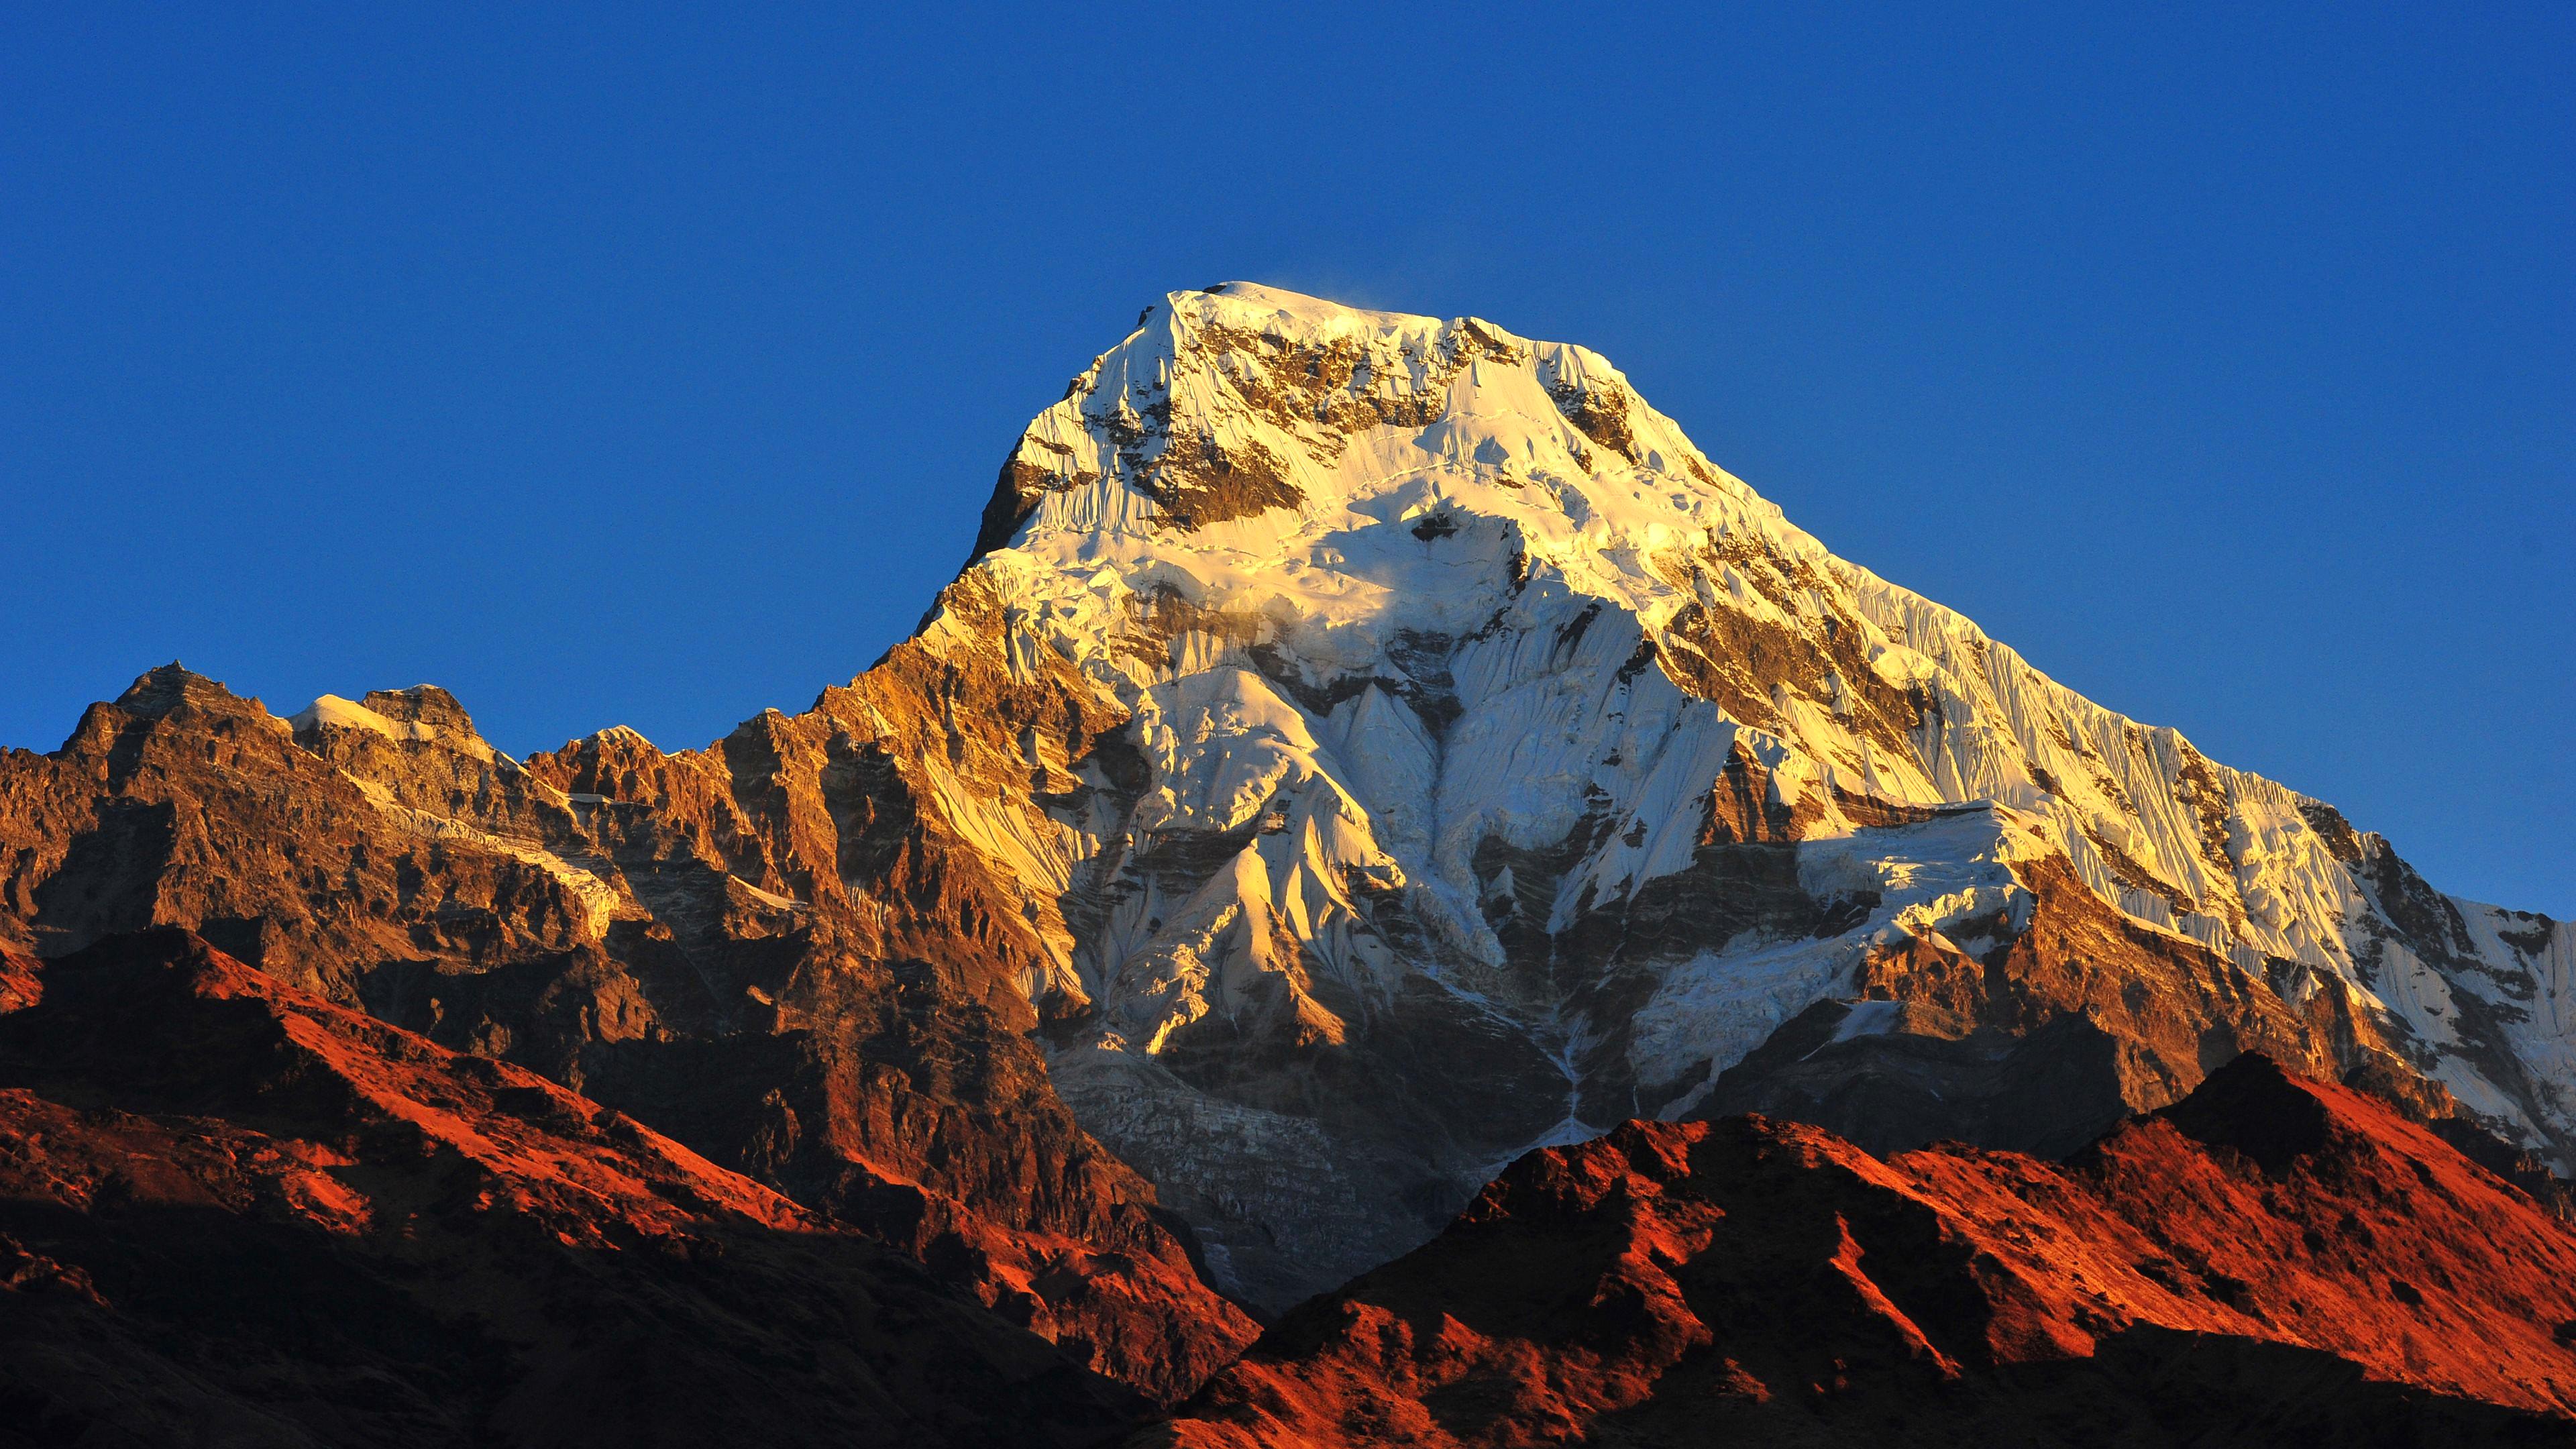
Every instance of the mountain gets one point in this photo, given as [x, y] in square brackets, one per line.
[232, 1212]
[379, 853]
[2268, 1261]
[1380, 745]
[1360, 750]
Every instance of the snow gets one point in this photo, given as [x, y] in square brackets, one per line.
[1454, 617]
[1869, 1018]
[348, 714]
[1713, 1008]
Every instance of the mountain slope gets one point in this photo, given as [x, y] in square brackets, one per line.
[231, 1212]
[2268, 1261]
[378, 852]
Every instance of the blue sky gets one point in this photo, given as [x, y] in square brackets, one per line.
[650, 366]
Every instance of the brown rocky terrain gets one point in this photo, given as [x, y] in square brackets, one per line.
[673, 956]
[2271, 1260]
[232, 1212]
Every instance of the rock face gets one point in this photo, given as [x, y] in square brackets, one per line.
[232, 1212]
[678, 964]
[2269, 1260]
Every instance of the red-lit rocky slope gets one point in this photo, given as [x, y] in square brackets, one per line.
[2270, 1260]
[694, 965]
[234, 1213]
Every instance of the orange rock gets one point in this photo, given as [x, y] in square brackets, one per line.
[2270, 1250]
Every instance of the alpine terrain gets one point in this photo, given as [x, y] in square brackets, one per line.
[1362, 752]
[1392, 746]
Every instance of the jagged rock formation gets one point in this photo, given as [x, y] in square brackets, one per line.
[381, 854]
[232, 1212]
[2268, 1261]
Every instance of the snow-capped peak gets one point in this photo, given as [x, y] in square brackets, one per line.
[1427, 612]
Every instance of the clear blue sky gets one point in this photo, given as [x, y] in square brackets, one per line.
[650, 366]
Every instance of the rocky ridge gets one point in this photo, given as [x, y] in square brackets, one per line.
[380, 854]
[2268, 1261]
